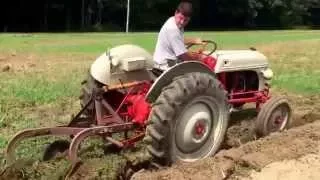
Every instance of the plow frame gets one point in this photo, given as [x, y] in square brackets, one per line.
[80, 128]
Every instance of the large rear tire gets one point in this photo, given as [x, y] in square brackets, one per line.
[189, 119]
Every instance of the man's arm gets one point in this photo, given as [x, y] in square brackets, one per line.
[189, 41]
[191, 56]
[178, 45]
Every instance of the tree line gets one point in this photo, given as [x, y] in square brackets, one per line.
[146, 15]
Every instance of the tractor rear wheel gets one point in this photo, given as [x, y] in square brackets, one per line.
[87, 87]
[189, 119]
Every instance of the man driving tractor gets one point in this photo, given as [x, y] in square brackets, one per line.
[171, 45]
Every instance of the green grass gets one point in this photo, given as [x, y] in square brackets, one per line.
[45, 93]
[47, 84]
[306, 84]
[34, 88]
[3, 141]
[94, 43]
[62, 61]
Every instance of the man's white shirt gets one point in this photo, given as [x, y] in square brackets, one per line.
[170, 42]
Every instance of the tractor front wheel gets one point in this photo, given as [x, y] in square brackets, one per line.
[275, 115]
[189, 119]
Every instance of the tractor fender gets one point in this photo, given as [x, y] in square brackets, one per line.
[100, 69]
[127, 62]
[177, 70]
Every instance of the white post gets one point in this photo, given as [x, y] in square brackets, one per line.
[128, 12]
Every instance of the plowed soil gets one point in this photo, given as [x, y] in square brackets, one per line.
[292, 154]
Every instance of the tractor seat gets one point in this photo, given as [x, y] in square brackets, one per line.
[156, 71]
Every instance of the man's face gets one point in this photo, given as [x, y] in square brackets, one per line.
[181, 20]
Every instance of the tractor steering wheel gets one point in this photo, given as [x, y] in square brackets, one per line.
[204, 44]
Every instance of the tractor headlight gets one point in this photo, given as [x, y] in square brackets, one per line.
[267, 74]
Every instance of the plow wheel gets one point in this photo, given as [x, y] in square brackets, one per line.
[275, 115]
[189, 119]
[56, 149]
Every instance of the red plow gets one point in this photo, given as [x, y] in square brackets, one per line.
[108, 120]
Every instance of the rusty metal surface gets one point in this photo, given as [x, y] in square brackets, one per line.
[9, 152]
[81, 136]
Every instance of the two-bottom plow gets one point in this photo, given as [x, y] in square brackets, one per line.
[105, 122]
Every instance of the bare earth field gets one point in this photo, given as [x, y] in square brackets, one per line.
[293, 154]
[40, 83]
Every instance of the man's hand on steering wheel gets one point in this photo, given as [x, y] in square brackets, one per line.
[192, 41]
[204, 44]
[201, 56]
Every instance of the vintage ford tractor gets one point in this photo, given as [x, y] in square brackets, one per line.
[182, 113]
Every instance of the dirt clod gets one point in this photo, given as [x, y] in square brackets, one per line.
[6, 67]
